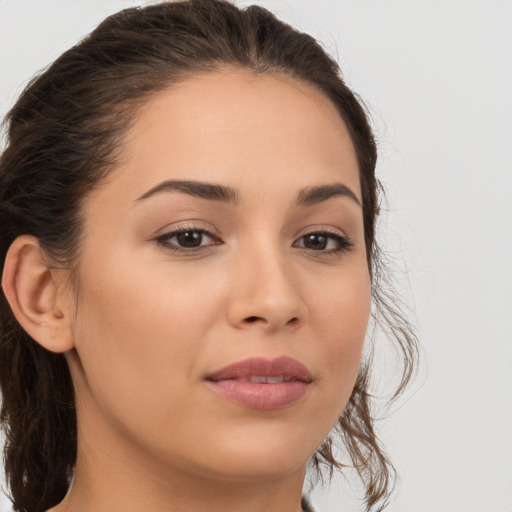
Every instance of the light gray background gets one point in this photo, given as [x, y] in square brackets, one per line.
[437, 76]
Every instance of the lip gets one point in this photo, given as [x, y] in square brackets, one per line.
[233, 383]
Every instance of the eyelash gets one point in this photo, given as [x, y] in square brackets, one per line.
[344, 244]
[164, 240]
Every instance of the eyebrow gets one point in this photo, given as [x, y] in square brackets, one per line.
[315, 195]
[198, 189]
[214, 192]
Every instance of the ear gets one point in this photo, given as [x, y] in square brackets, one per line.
[36, 296]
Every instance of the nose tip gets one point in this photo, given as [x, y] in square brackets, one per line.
[267, 297]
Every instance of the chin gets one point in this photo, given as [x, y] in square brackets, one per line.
[261, 456]
[252, 469]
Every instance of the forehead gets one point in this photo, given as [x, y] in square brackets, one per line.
[250, 130]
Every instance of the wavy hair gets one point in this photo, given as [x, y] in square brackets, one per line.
[63, 137]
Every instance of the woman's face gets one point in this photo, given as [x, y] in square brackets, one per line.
[230, 230]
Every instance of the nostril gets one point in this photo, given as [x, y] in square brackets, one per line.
[252, 319]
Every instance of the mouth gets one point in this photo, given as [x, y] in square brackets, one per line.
[261, 383]
[259, 379]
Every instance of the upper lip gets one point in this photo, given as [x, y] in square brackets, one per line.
[260, 366]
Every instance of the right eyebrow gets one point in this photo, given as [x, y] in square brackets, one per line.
[200, 189]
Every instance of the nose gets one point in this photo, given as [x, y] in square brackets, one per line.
[266, 294]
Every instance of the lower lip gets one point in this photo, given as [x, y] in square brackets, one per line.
[261, 396]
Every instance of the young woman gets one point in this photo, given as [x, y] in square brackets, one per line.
[188, 202]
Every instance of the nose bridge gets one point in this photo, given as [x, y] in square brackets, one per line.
[267, 290]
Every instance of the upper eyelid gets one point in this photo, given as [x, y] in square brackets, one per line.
[331, 230]
[189, 225]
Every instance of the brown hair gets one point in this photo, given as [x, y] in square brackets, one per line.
[63, 136]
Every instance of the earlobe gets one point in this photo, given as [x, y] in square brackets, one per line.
[34, 295]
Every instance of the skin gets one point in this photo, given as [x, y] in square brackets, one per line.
[147, 324]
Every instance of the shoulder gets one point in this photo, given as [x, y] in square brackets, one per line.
[306, 506]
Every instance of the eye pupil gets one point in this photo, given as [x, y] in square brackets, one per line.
[189, 238]
[315, 241]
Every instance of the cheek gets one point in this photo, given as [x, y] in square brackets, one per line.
[139, 333]
[342, 321]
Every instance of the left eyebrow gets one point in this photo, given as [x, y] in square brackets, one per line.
[315, 195]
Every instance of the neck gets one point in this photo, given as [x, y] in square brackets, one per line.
[113, 476]
[119, 491]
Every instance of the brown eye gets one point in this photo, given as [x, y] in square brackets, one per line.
[324, 243]
[315, 241]
[189, 238]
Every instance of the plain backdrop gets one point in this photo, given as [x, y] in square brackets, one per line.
[437, 79]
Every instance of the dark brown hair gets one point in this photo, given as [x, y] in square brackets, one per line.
[63, 136]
